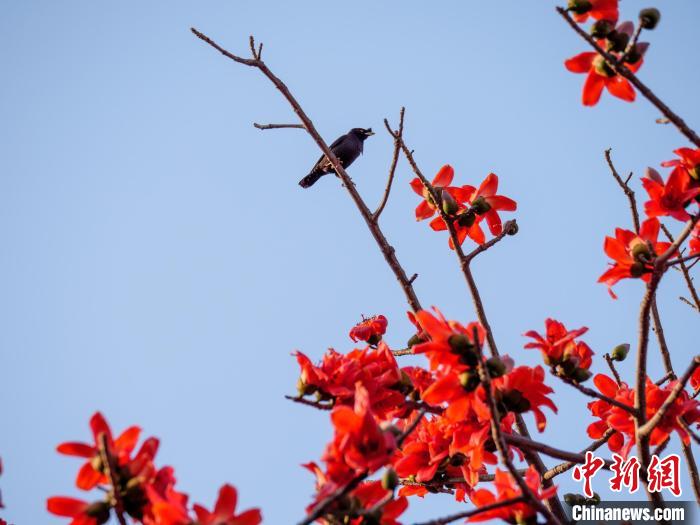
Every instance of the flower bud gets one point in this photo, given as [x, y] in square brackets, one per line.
[649, 17]
[617, 41]
[466, 219]
[449, 204]
[637, 269]
[581, 375]
[496, 367]
[619, 353]
[390, 479]
[633, 56]
[602, 28]
[574, 499]
[580, 7]
[512, 228]
[458, 459]
[460, 343]
[99, 511]
[480, 206]
[515, 401]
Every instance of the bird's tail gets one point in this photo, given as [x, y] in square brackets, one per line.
[311, 179]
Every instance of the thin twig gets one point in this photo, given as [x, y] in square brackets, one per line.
[661, 338]
[623, 71]
[394, 163]
[624, 185]
[499, 439]
[316, 404]
[387, 250]
[611, 365]
[593, 393]
[278, 126]
[529, 444]
[686, 275]
[568, 465]
[474, 512]
[110, 467]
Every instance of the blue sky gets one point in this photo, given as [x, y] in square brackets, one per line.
[160, 263]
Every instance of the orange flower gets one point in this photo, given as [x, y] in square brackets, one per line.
[633, 254]
[427, 208]
[670, 198]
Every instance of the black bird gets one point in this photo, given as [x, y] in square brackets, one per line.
[347, 148]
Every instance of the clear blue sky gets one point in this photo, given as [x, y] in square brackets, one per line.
[160, 263]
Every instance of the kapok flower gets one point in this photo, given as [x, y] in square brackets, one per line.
[506, 488]
[92, 472]
[484, 201]
[367, 496]
[428, 207]
[166, 506]
[602, 76]
[224, 512]
[337, 376]
[369, 330]
[597, 9]
[688, 163]
[523, 390]
[694, 243]
[483, 204]
[82, 512]
[670, 198]
[622, 421]
[359, 443]
[560, 350]
[633, 254]
[450, 344]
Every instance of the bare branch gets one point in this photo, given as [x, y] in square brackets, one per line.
[110, 467]
[611, 365]
[394, 162]
[624, 185]
[278, 126]
[316, 404]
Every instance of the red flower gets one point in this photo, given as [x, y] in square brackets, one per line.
[633, 254]
[523, 390]
[166, 505]
[600, 76]
[487, 203]
[483, 203]
[224, 512]
[689, 163]
[506, 488]
[369, 330]
[451, 344]
[670, 198]
[337, 376]
[558, 343]
[442, 181]
[90, 474]
[622, 421]
[359, 443]
[82, 512]
[369, 494]
[600, 10]
[694, 243]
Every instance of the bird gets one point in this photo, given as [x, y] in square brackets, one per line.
[346, 148]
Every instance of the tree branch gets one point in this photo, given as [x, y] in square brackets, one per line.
[278, 126]
[474, 512]
[624, 72]
[394, 162]
[386, 249]
[111, 471]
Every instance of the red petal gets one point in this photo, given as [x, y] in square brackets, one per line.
[621, 88]
[68, 507]
[444, 176]
[226, 503]
[592, 89]
[81, 450]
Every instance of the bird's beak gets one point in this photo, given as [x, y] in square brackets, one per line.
[369, 132]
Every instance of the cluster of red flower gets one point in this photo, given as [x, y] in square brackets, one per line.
[683, 411]
[560, 350]
[616, 40]
[133, 486]
[634, 253]
[464, 206]
[373, 401]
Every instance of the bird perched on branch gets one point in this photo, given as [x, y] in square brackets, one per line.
[346, 148]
